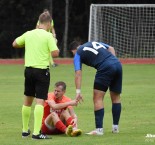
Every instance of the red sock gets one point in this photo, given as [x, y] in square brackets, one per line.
[59, 125]
[69, 121]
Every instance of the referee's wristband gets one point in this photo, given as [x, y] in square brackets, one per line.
[78, 91]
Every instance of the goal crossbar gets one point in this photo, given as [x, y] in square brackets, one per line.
[129, 28]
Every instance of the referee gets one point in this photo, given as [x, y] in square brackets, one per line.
[38, 45]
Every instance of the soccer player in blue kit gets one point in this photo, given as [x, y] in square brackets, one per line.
[102, 57]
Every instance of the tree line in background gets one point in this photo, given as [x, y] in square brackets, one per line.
[71, 21]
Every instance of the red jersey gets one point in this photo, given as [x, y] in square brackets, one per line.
[47, 108]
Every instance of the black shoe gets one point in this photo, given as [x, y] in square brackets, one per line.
[26, 134]
[40, 136]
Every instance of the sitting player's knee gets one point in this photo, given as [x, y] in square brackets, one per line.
[53, 115]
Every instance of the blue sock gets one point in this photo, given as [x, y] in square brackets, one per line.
[116, 112]
[99, 114]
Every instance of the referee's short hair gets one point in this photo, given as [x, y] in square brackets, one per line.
[45, 18]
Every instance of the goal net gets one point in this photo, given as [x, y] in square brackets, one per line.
[129, 28]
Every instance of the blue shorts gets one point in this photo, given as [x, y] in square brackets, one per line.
[109, 77]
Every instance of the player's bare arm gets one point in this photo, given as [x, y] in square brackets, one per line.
[55, 106]
[112, 50]
[78, 80]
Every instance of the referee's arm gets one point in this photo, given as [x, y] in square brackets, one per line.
[15, 45]
[55, 53]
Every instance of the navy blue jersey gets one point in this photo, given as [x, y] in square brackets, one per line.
[94, 54]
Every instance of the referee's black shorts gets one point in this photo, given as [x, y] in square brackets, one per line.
[37, 82]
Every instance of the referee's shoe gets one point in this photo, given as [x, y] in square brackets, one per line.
[40, 136]
[26, 134]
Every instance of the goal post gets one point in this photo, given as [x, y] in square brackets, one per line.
[129, 28]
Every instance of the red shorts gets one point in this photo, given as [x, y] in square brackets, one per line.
[46, 130]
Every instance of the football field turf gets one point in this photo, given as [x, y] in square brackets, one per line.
[137, 117]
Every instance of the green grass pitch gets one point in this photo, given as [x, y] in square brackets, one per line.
[138, 107]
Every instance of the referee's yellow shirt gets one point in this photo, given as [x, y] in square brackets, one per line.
[38, 45]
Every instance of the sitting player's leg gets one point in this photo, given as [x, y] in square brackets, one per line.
[48, 126]
[65, 115]
[54, 120]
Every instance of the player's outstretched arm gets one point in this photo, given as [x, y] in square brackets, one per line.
[55, 106]
[78, 80]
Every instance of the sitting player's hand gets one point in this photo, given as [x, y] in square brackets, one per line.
[74, 121]
[74, 102]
